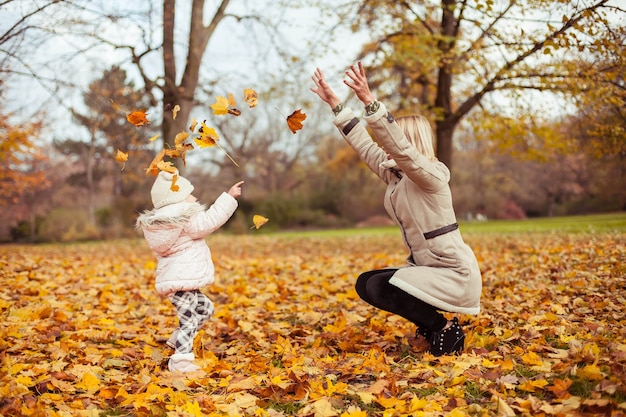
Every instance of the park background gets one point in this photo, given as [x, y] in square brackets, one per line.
[527, 100]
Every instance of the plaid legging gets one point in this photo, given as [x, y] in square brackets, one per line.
[193, 309]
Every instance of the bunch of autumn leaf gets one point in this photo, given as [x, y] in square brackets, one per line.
[205, 136]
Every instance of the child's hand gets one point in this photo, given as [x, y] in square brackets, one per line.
[235, 190]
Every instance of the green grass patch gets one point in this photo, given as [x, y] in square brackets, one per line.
[593, 223]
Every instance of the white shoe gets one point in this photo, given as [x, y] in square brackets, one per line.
[182, 362]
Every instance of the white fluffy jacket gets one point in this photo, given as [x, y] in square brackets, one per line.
[176, 234]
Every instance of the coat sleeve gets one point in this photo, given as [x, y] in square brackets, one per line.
[206, 222]
[431, 176]
[360, 140]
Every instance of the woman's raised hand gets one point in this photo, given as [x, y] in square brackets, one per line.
[323, 90]
[358, 83]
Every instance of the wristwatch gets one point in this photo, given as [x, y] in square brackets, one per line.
[372, 107]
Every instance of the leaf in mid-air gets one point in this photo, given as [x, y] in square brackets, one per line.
[220, 107]
[208, 136]
[250, 97]
[121, 157]
[175, 111]
[138, 118]
[295, 119]
[259, 220]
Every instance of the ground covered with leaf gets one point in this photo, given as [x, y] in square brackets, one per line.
[82, 332]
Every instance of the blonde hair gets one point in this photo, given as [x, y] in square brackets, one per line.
[419, 133]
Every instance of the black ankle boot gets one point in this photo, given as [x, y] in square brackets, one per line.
[447, 341]
[424, 332]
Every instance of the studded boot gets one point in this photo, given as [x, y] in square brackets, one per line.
[450, 340]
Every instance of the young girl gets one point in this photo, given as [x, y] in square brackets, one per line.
[175, 231]
[442, 273]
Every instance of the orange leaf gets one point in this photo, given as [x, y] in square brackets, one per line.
[154, 168]
[138, 118]
[174, 187]
[250, 97]
[295, 119]
[121, 156]
[166, 166]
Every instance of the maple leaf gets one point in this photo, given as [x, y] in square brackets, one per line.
[259, 221]
[295, 119]
[138, 118]
[250, 97]
[121, 157]
[208, 136]
[175, 111]
[220, 107]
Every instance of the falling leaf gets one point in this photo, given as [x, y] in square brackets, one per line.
[138, 118]
[295, 119]
[259, 221]
[175, 111]
[155, 137]
[121, 157]
[225, 105]
[220, 107]
[208, 136]
[250, 97]
[231, 100]
[180, 138]
[193, 124]
[174, 187]
[166, 166]
[153, 169]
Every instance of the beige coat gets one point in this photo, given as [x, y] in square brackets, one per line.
[442, 271]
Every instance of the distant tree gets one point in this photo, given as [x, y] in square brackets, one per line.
[445, 58]
[108, 131]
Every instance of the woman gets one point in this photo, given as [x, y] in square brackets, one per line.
[442, 272]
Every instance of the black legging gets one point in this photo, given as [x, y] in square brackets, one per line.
[374, 288]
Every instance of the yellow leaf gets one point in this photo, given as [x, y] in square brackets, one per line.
[89, 382]
[166, 166]
[591, 372]
[193, 124]
[259, 221]
[250, 97]
[175, 111]
[121, 157]
[155, 137]
[220, 107]
[231, 100]
[531, 358]
[180, 137]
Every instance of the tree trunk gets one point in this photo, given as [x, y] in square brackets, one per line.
[445, 132]
[183, 94]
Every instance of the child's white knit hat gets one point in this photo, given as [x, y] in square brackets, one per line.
[162, 193]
